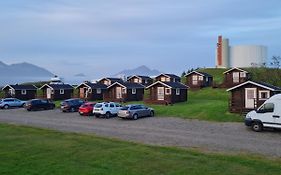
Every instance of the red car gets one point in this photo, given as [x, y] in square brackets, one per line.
[86, 109]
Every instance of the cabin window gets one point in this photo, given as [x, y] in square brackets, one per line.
[168, 91]
[61, 91]
[106, 82]
[242, 74]
[124, 91]
[136, 80]
[194, 79]
[23, 92]
[200, 78]
[178, 91]
[99, 91]
[163, 79]
[167, 79]
[264, 95]
[134, 91]
[52, 91]
[145, 81]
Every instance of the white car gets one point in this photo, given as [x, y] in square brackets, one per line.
[267, 115]
[106, 109]
[11, 102]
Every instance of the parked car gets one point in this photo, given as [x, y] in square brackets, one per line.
[71, 105]
[106, 109]
[39, 104]
[86, 109]
[135, 112]
[267, 115]
[11, 102]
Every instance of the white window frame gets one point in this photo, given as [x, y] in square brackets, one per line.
[264, 91]
[200, 78]
[12, 91]
[124, 91]
[98, 90]
[178, 91]
[134, 91]
[61, 91]
[23, 92]
[136, 80]
[170, 91]
[163, 79]
[168, 79]
[243, 74]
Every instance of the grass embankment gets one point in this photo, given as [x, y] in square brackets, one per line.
[30, 151]
[205, 104]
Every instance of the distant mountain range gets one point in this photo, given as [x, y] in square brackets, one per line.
[22, 72]
[141, 70]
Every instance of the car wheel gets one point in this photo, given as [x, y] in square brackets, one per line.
[72, 110]
[6, 106]
[135, 116]
[151, 114]
[108, 115]
[23, 105]
[257, 127]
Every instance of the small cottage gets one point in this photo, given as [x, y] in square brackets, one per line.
[22, 92]
[168, 78]
[124, 92]
[167, 93]
[57, 91]
[235, 76]
[144, 80]
[91, 91]
[250, 95]
[109, 81]
[198, 80]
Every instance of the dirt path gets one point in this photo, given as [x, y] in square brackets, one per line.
[222, 137]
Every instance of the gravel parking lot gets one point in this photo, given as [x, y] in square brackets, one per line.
[209, 136]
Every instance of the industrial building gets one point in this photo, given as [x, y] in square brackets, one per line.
[239, 56]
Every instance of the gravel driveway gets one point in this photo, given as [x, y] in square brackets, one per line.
[209, 136]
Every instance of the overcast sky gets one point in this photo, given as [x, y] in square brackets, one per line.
[102, 37]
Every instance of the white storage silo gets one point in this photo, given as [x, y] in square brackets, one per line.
[247, 55]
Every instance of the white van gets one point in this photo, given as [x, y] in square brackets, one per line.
[267, 115]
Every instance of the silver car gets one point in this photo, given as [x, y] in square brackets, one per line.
[11, 102]
[135, 112]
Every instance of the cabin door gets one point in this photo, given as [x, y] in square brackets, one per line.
[160, 93]
[118, 92]
[250, 98]
[82, 93]
[49, 93]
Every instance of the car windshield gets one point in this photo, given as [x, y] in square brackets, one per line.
[99, 105]
[124, 108]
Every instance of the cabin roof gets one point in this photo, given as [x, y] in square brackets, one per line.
[173, 85]
[139, 76]
[57, 86]
[93, 85]
[112, 79]
[235, 68]
[260, 84]
[169, 75]
[200, 73]
[128, 85]
[20, 87]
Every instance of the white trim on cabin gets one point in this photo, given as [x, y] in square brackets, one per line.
[61, 91]
[178, 91]
[251, 82]
[23, 92]
[267, 95]
[234, 69]
[134, 91]
[195, 72]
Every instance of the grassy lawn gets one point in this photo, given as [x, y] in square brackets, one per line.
[30, 151]
[206, 104]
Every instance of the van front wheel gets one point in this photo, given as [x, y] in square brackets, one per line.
[257, 127]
